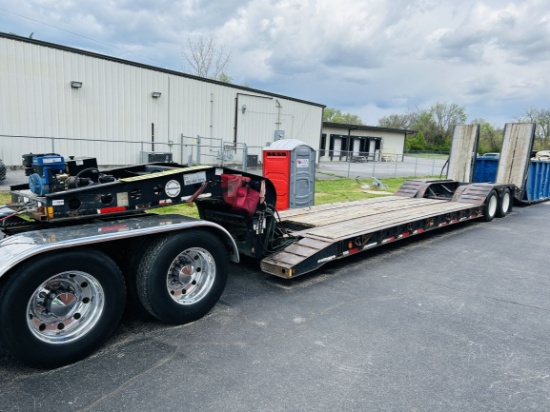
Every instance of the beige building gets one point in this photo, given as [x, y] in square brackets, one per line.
[365, 143]
[76, 102]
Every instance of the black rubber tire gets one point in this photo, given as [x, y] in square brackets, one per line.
[20, 292]
[129, 265]
[505, 203]
[491, 206]
[153, 275]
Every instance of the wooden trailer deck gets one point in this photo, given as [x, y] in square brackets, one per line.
[342, 220]
[331, 231]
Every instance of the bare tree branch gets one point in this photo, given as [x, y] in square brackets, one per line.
[206, 58]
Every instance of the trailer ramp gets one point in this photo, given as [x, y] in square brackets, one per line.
[515, 155]
[463, 152]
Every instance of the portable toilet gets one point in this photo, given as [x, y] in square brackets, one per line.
[290, 165]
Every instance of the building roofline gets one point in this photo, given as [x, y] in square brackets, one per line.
[345, 126]
[149, 67]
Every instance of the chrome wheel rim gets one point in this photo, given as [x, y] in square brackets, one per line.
[65, 307]
[191, 276]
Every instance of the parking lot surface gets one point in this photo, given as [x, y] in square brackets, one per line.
[452, 321]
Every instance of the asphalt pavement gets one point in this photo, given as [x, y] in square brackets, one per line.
[456, 320]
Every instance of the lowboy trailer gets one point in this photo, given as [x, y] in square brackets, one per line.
[78, 241]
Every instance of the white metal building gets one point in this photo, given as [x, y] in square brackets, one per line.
[51, 95]
[373, 143]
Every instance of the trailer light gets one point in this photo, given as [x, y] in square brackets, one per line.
[50, 212]
[350, 244]
[113, 209]
[370, 245]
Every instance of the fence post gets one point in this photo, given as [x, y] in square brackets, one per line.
[198, 149]
[348, 158]
[415, 165]
[395, 172]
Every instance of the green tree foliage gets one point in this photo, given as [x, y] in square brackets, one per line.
[336, 116]
[435, 123]
[416, 142]
[542, 119]
[223, 77]
[446, 116]
[490, 138]
[397, 121]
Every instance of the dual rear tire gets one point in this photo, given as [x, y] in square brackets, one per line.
[60, 307]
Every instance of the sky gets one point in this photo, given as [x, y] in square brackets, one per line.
[371, 58]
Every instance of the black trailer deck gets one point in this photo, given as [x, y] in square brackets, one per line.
[332, 231]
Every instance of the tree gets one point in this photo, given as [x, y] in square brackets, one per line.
[224, 78]
[206, 58]
[490, 138]
[336, 116]
[417, 142]
[542, 119]
[426, 124]
[436, 124]
[447, 116]
[396, 121]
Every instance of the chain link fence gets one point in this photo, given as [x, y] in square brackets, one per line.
[383, 165]
[189, 150]
[196, 150]
[212, 151]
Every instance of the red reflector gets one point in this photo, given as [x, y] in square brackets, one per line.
[354, 250]
[113, 209]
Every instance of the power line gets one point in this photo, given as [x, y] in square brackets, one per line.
[80, 35]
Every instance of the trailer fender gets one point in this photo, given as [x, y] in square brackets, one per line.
[18, 248]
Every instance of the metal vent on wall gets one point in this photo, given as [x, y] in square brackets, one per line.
[151, 157]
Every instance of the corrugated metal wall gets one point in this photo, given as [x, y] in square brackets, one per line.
[115, 104]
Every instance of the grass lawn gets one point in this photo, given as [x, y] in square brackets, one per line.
[326, 191]
[440, 156]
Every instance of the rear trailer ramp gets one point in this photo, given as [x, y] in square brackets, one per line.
[513, 165]
[463, 152]
[328, 232]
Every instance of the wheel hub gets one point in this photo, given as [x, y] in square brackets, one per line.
[186, 273]
[61, 304]
[65, 307]
[191, 276]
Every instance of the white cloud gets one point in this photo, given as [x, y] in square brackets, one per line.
[362, 56]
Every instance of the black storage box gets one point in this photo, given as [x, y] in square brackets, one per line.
[77, 164]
